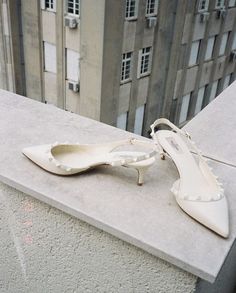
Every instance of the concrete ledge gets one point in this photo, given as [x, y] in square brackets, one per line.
[147, 216]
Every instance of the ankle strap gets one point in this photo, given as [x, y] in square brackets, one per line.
[170, 124]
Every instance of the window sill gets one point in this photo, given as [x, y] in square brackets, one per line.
[144, 74]
[48, 10]
[73, 15]
[151, 15]
[193, 65]
[131, 18]
[125, 81]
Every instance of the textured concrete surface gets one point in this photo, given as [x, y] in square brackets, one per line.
[45, 250]
[147, 216]
[218, 126]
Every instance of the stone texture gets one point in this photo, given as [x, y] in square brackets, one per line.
[45, 250]
[217, 138]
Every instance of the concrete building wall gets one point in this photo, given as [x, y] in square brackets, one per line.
[91, 64]
[102, 35]
[32, 42]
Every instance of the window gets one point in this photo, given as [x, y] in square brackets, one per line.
[184, 108]
[223, 43]
[194, 53]
[234, 42]
[213, 90]
[138, 123]
[126, 66]
[131, 9]
[50, 63]
[232, 3]
[226, 82]
[200, 98]
[151, 7]
[72, 65]
[122, 121]
[219, 3]
[203, 5]
[144, 61]
[49, 5]
[209, 49]
[73, 7]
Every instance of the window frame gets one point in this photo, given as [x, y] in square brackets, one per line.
[122, 120]
[139, 119]
[74, 8]
[200, 97]
[212, 50]
[128, 10]
[50, 67]
[225, 46]
[69, 71]
[197, 55]
[126, 63]
[51, 3]
[148, 5]
[143, 56]
[203, 9]
[219, 5]
[230, 5]
[186, 112]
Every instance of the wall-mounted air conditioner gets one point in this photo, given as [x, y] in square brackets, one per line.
[204, 16]
[221, 13]
[71, 22]
[73, 86]
[151, 21]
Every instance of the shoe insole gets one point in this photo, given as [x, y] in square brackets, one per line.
[87, 156]
[192, 179]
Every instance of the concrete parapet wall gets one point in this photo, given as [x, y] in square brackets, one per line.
[45, 250]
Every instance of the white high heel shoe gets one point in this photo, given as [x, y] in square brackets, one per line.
[68, 159]
[198, 191]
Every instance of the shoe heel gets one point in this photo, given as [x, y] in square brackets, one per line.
[141, 173]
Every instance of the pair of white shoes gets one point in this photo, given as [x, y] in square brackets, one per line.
[197, 191]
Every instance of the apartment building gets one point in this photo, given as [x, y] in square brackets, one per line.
[122, 62]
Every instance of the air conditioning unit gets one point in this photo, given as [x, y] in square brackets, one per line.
[73, 86]
[71, 22]
[221, 13]
[204, 16]
[232, 56]
[151, 21]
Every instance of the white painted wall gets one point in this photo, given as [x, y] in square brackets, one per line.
[72, 65]
[50, 62]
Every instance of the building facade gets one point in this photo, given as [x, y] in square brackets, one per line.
[122, 62]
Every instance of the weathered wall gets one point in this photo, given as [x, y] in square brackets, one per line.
[45, 250]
